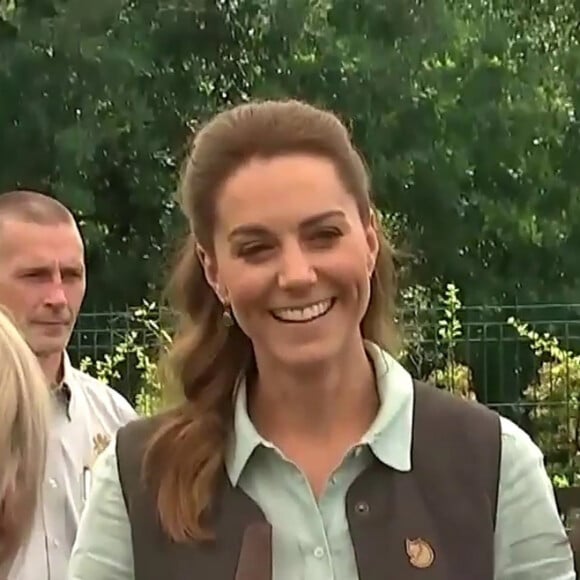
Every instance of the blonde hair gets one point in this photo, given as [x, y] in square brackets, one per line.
[185, 457]
[23, 427]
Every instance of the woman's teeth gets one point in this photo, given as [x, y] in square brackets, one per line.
[305, 313]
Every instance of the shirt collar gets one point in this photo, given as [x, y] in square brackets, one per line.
[67, 375]
[389, 436]
[391, 433]
[64, 391]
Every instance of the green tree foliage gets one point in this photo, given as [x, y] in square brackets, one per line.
[555, 395]
[466, 111]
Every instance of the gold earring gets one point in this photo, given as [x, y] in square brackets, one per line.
[227, 316]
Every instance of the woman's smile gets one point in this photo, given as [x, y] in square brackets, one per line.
[303, 314]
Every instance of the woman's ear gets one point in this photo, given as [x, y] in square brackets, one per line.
[372, 235]
[210, 270]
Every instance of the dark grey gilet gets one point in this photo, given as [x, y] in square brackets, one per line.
[435, 522]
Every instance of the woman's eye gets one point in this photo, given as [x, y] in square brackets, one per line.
[252, 249]
[327, 234]
[331, 233]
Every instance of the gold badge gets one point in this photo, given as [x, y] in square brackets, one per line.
[421, 554]
[100, 443]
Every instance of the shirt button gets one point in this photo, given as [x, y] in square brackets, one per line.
[55, 543]
[319, 552]
[357, 451]
[52, 483]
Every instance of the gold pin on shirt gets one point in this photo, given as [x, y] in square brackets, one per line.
[421, 554]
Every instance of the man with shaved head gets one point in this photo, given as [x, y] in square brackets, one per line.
[43, 283]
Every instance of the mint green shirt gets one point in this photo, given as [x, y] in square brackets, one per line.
[311, 540]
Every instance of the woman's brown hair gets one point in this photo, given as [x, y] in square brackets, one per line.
[185, 457]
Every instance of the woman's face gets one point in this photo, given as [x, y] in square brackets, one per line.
[293, 259]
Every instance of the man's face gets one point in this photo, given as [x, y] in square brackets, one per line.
[42, 280]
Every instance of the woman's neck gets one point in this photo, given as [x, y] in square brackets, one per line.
[331, 402]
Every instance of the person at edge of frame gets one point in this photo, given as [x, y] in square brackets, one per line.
[42, 283]
[23, 437]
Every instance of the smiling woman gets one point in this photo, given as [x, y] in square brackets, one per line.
[23, 409]
[292, 245]
[300, 446]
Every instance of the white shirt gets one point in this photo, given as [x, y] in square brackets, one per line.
[530, 540]
[85, 416]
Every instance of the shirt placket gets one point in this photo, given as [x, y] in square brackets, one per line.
[54, 500]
